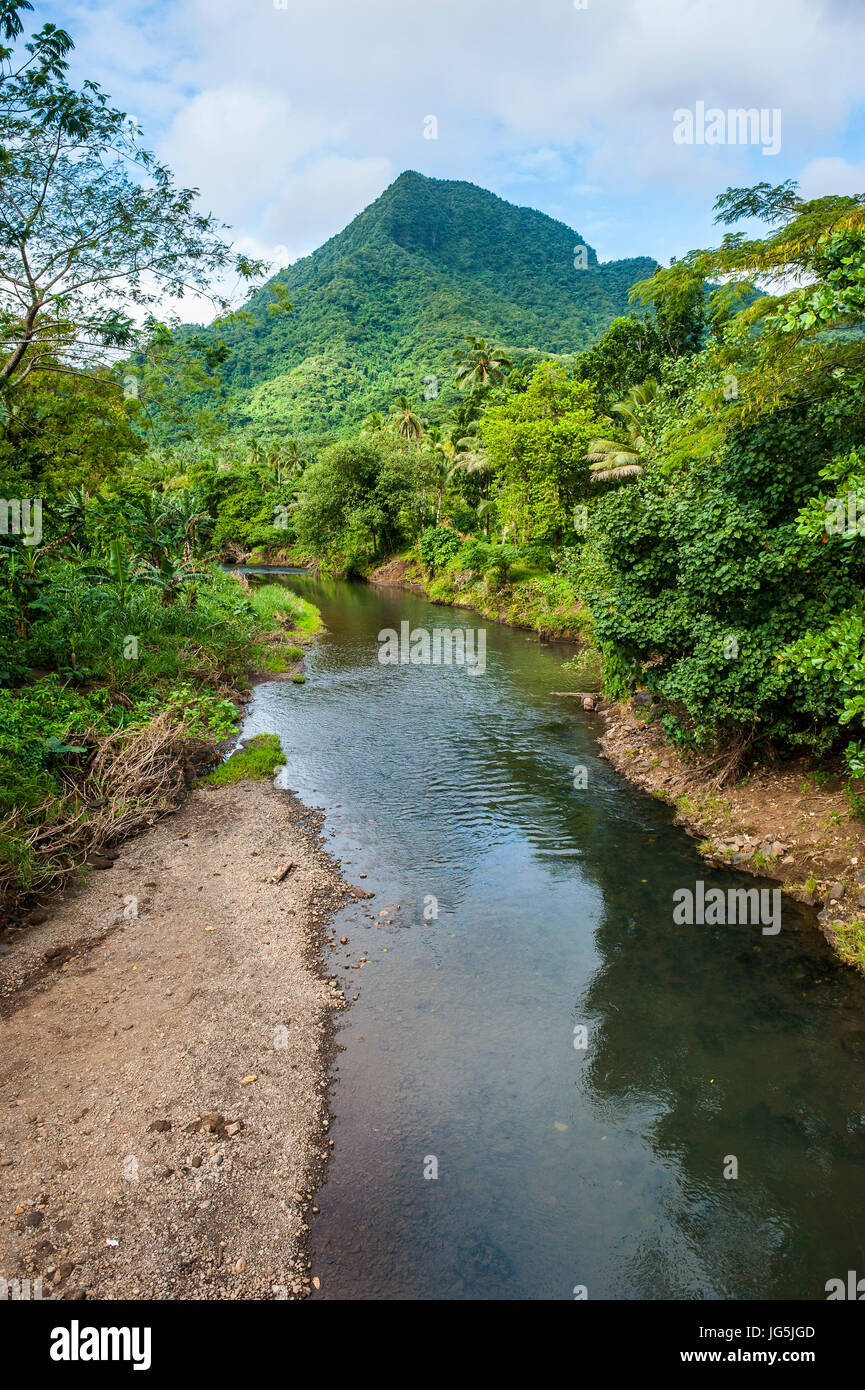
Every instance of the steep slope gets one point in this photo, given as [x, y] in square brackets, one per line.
[380, 308]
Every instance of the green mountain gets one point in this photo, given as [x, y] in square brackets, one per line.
[379, 309]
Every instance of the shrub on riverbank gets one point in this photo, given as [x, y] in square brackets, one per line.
[139, 698]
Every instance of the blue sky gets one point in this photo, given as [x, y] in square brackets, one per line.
[291, 120]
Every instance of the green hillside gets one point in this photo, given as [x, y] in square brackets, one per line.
[379, 308]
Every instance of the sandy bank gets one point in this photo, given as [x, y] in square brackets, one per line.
[165, 1047]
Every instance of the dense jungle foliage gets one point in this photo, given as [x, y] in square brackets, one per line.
[683, 485]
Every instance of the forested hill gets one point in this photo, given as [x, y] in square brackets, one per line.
[380, 307]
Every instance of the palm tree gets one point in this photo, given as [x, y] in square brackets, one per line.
[286, 458]
[482, 511]
[291, 458]
[471, 456]
[441, 444]
[611, 460]
[480, 365]
[373, 423]
[406, 421]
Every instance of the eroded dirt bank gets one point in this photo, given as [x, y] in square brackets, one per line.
[164, 1053]
[791, 823]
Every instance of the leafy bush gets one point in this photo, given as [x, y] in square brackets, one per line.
[709, 577]
[98, 656]
[437, 545]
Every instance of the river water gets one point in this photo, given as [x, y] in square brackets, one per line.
[549, 908]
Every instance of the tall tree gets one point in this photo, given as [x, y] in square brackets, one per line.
[803, 325]
[406, 421]
[93, 229]
[42, 59]
[480, 365]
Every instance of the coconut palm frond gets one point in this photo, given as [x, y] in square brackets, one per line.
[616, 460]
[617, 473]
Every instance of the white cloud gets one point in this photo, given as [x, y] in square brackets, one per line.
[238, 144]
[535, 165]
[255, 104]
[835, 175]
[317, 202]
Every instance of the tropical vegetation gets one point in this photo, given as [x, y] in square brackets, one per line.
[678, 480]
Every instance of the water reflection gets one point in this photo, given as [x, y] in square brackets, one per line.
[557, 1166]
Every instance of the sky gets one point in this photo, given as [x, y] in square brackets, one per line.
[291, 116]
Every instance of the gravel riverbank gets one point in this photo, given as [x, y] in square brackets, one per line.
[166, 1039]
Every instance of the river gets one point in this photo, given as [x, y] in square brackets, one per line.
[480, 1151]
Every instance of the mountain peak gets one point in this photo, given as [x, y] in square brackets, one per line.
[379, 309]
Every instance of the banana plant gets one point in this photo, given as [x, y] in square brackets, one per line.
[173, 576]
[21, 580]
[482, 512]
[191, 517]
[156, 526]
[116, 572]
[72, 511]
[118, 568]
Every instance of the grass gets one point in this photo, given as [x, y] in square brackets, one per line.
[848, 939]
[541, 605]
[275, 664]
[273, 603]
[257, 757]
[278, 661]
[707, 808]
